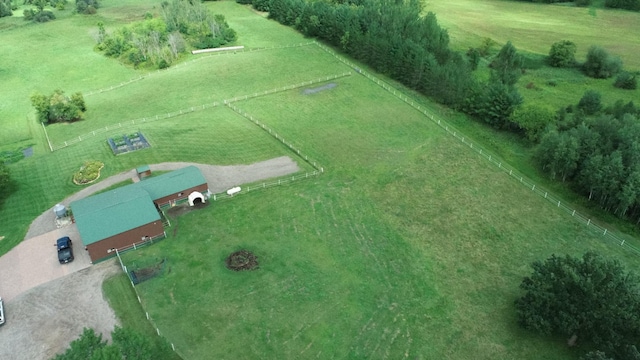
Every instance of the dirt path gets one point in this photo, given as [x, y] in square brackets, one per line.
[220, 178]
[43, 320]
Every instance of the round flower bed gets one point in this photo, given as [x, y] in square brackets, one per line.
[88, 173]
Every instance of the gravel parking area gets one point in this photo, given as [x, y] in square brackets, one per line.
[44, 316]
[42, 321]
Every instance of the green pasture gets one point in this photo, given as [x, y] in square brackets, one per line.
[202, 81]
[409, 244]
[534, 27]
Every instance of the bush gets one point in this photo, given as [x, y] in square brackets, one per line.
[626, 80]
[562, 54]
[261, 5]
[87, 7]
[600, 64]
[623, 4]
[533, 120]
[591, 102]
[5, 8]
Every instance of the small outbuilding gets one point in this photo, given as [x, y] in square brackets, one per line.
[131, 214]
[143, 171]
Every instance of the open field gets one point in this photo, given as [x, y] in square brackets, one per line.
[398, 249]
[534, 27]
[409, 246]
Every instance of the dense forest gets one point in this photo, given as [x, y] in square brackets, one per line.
[588, 145]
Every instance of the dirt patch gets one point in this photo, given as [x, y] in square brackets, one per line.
[319, 88]
[182, 209]
[44, 320]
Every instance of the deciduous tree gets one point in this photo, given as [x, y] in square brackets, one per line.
[591, 298]
[600, 64]
[562, 54]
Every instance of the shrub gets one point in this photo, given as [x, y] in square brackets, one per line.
[623, 4]
[87, 7]
[600, 64]
[562, 54]
[591, 102]
[626, 80]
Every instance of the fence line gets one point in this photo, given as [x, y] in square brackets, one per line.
[267, 185]
[124, 269]
[200, 57]
[54, 147]
[606, 233]
[276, 136]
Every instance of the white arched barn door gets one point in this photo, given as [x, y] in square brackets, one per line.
[196, 197]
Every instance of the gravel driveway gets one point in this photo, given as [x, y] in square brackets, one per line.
[44, 317]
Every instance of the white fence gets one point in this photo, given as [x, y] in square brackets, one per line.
[198, 58]
[124, 269]
[180, 112]
[555, 200]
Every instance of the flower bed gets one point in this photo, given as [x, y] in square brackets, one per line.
[88, 173]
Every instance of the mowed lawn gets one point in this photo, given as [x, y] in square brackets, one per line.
[408, 246]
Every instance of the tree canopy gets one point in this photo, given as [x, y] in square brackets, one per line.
[562, 54]
[159, 41]
[600, 64]
[58, 107]
[591, 298]
[126, 344]
[599, 154]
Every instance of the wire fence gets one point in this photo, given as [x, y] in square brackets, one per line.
[151, 321]
[186, 63]
[555, 200]
[180, 112]
[267, 185]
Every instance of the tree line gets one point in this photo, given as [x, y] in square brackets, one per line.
[633, 5]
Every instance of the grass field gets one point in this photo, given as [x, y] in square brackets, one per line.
[408, 246]
[398, 249]
[533, 28]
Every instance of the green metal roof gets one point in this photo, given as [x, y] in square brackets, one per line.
[113, 212]
[122, 209]
[172, 182]
[142, 168]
